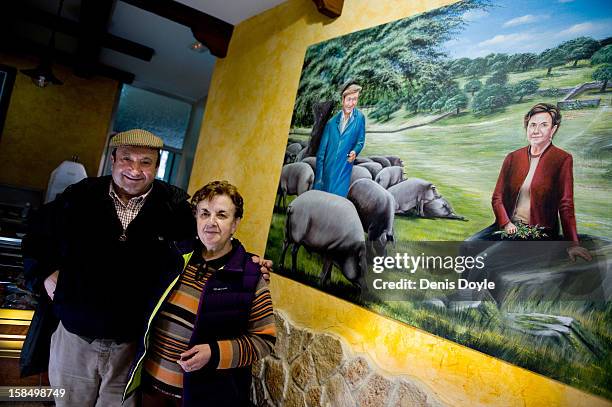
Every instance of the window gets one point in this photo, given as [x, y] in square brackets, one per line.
[165, 116]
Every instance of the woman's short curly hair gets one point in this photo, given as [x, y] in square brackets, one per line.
[552, 110]
[217, 188]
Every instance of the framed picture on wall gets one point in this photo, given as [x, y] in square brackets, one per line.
[7, 79]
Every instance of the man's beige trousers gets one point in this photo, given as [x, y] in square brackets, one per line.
[93, 374]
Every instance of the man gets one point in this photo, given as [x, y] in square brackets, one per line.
[101, 250]
[343, 139]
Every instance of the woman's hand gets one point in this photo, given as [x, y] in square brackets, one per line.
[579, 251]
[195, 358]
[510, 228]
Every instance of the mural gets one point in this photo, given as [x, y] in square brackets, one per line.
[452, 171]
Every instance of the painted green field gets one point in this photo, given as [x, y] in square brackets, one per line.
[462, 156]
[560, 77]
[484, 329]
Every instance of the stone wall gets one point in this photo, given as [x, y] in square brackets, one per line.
[554, 91]
[573, 104]
[317, 369]
[581, 88]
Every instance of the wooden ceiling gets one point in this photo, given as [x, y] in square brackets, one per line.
[84, 24]
[91, 33]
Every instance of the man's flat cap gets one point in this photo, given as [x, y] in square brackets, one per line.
[353, 88]
[137, 138]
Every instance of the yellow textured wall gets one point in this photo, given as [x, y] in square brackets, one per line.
[243, 140]
[47, 126]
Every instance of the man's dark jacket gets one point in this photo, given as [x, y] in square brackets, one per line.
[106, 285]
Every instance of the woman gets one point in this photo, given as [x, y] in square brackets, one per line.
[536, 184]
[213, 321]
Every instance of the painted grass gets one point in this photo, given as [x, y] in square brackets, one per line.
[400, 118]
[484, 329]
[560, 77]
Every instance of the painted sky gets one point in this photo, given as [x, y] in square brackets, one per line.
[513, 26]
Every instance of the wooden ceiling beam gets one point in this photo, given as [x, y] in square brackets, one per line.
[73, 28]
[94, 17]
[330, 8]
[209, 30]
[22, 46]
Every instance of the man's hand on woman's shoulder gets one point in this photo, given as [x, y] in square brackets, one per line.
[266, 267]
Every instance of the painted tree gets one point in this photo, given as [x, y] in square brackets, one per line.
[521, 62]
[491, 99]
[436, 90]
[525, 88]
[551, 58]
[603, 74]
[499, 77]
[473, 86]
[384, 110]
[602, 56]
[428, 98]
[580, 48]
[499, 67]
[379, 81]
[411, 102]
[438, 105]
[460, 66]
[456, 103]
[394, 61]
[407, 62]
[477, 68]
[497, 60]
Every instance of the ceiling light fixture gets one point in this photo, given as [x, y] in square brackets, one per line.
[42, 75]
[198, 47]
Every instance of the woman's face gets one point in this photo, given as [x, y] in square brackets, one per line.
[540, 130]
[216, 222]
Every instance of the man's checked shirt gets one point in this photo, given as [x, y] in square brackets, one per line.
[127, 212]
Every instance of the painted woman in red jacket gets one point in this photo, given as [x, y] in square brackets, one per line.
[536, 183]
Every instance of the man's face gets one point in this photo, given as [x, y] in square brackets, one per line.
[540, 129]
[216, 222]
[133, 170]
[349, 102]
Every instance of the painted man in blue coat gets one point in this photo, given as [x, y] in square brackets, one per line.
[343, 139]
